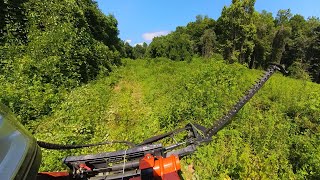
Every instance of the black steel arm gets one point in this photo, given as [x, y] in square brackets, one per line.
[218, 125]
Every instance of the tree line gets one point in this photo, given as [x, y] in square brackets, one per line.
[241, 34]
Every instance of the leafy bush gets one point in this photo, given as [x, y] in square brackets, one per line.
[174, 46]
[51, 48]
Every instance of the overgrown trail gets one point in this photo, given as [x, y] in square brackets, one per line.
[128, 111]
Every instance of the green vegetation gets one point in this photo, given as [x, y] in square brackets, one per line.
[61, 73]
[48, 48]
[276, 135]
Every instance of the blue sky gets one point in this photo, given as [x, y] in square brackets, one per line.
[140, 20]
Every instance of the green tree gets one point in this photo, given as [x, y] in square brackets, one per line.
[3, 9]
[179, 47]
[282, 36]
[196, 30]
[175, 46]
[139, 51]
[236, 30]
[208, 42]
[128, 49]
[13, 22]
[296, 44]
[157, 47]
[283, 17]
[313, 55]
[264, 23]
[279, 43]
[297, 23]
[103, 28]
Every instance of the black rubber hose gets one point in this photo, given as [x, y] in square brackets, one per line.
[53, 146]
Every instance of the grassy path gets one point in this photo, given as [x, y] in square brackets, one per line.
[128, 111]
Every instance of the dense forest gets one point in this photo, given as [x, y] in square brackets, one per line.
[70, 79]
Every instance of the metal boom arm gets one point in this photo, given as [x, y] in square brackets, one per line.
[218, 125]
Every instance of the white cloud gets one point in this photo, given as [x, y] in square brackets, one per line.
[151, 35]
[128, 41]
[138, 44]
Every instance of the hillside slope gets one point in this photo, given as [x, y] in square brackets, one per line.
[276, 135]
